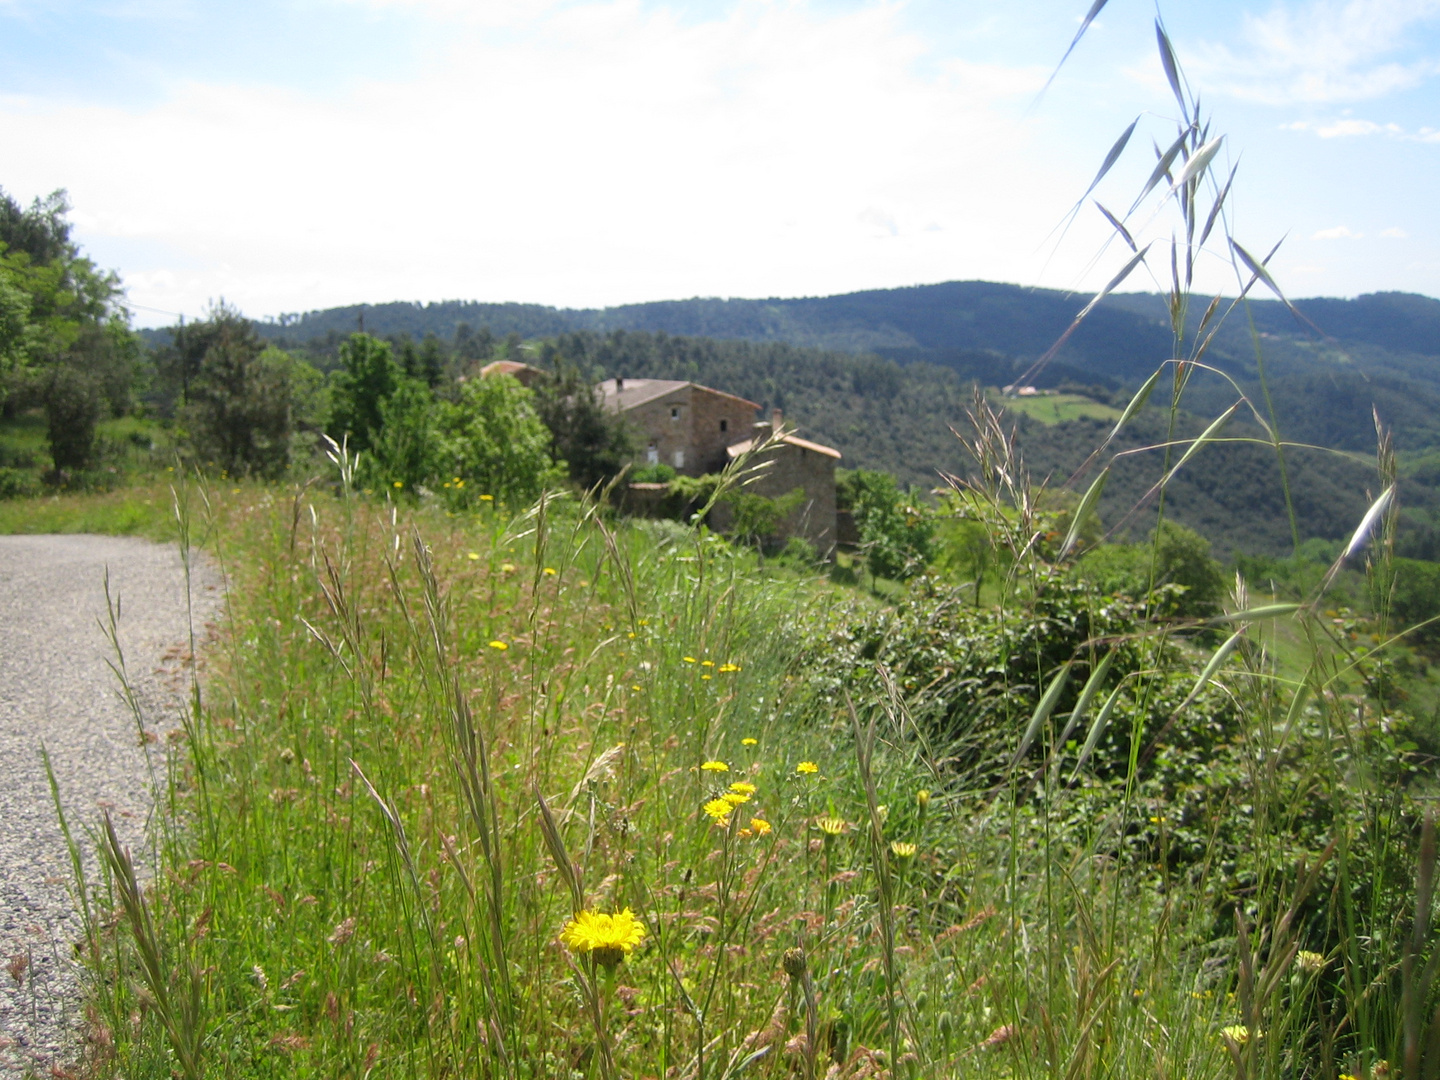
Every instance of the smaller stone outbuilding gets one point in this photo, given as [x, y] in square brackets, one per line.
[797, 463]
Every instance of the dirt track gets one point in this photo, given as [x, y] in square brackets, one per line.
[57, 691]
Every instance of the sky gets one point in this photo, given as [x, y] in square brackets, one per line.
[290, 156]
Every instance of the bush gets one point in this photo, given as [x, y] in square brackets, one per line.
[492, 440]
[896, 528]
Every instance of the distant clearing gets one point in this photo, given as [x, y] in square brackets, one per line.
[1056, 408]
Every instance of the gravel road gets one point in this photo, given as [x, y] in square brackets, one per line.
[56, 690]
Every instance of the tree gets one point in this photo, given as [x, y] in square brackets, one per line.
[241, 410]
[594, 443]
[896, 528]
[368, 377]
[403, 451]
[494, 443]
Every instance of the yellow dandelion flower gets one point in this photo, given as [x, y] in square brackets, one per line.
[807, 768]
[472, 556]
[735, 798]
[715, 766]
[749, 742]
[901, 850]
[459, 483]
[830, 826]
[719, 811]
[608, 938]
[922, 799]
[1239, 1034]
[705, 678]
[707, 663]
[689, 659]
[487, 498]
[549, 571]
[727, 668]
[399, 483]
[499, 646]
[642, 622]
[743, 787]
[635, 687]
[507, 568]
[759, 826]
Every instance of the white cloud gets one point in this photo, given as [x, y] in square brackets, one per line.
[1323, 51]
[618, 155]
[1339, 232]
[1393, 233]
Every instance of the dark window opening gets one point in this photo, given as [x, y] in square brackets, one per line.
[724, 425]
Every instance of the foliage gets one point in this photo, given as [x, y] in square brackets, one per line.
[493, 441]
[241, 399]
[755, 519]
[367, 378]
[403, 451]
[1175, 556]
[595, 444]
[896, 528]
[658, 473]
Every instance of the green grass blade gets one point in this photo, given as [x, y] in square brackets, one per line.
[1266, 611]
[1087, 503]
[1097, 731]
[1136, 403]
[1210, 434]
[1211, 667]
[1087, 694]
[1047, 704]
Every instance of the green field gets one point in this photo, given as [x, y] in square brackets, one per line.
[1055, 408]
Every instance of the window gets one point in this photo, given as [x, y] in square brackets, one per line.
[679, 459]
[674, 412]
[652, 455]
[724, 425]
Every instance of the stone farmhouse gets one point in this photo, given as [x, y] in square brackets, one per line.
[696, 430]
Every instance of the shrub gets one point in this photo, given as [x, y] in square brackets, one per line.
[492, 440]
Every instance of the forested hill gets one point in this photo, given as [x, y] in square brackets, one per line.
[1329, 367]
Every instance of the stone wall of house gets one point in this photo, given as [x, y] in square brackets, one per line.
[718, 421]
[814, 473]
[694, 423]
[659, 435]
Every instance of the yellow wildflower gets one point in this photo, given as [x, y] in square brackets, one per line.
[499, 646]
[507, 568]
[399, 483]
[715, 766]
[727, 668]
[831, 826]
[743, 787]
[735, 798]
[719, 811]
[1311, 963]
[608, 938]
[549, 571]
[901, 850]
[1238, 1034]
[704, 678]
[759, 826]
[487, 498]
[707, 663]
[807, 768]
[689, 659]
[749, 742]
[472, 556]
[635, 687]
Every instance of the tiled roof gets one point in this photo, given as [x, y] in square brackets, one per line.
[793, 440]
[635, 392]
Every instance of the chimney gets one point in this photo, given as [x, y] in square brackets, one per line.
[775, 421]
